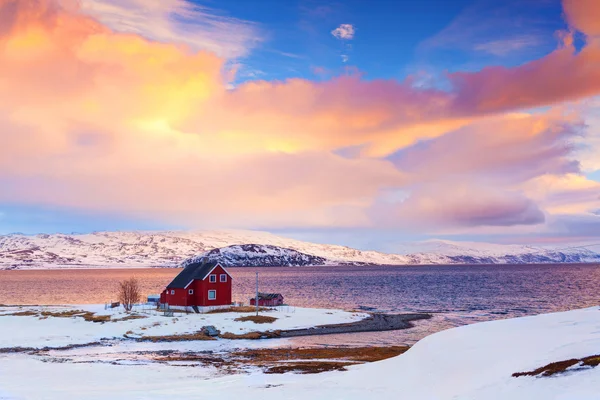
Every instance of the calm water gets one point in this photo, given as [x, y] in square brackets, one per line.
[456, 294]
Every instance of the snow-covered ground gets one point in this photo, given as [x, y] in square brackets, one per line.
[471, 362]
[33, 331]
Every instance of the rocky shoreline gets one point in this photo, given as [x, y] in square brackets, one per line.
[375, 323]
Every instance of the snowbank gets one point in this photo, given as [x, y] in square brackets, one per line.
[471, 362]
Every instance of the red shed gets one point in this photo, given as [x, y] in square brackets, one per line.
[268, 299]
[204, 283]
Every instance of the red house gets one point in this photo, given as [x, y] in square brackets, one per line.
[202, 284]
[268, 299]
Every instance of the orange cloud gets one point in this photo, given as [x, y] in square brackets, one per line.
[583, 15]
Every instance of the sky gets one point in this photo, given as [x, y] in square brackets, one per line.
[363, 123]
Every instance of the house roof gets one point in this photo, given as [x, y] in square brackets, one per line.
[197, 270]
[268, 296]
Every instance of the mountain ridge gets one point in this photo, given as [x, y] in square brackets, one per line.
[171, 248]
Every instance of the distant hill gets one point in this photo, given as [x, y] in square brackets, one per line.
[260, 255]
[170, 249]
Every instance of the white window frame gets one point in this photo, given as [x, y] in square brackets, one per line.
[212, 278]
[223, 278]
[172, 292]
[191, 291]
[215, 295]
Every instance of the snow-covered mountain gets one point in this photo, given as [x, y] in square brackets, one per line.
[259, 255]
[169, 249]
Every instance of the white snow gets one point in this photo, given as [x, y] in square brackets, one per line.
[471, 362]
[59, 332]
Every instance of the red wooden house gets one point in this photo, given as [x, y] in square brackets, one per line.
[268, 299]
[202, 284]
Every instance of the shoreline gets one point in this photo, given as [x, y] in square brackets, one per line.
[85, 267]
[377, 322]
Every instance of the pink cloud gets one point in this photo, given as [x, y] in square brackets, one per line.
[563, 75]
[442, 205]
[502, 150]
[583, 15]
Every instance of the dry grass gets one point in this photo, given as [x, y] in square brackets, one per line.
[312, 367]
[358, 354]
[129, 318]
[241, 309]
[279, 361]
[176, 338]
[21, 314]
[257, 319]
[90, 317]
[251, 335]
[86, 315]
[62, 314]
[561, 366]
[592, 361]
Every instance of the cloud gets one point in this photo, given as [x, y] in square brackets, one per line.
[178, 21]
[344, 32]
[458, 205]
[563, 75]
[116, 122]
[485, 174]
[564, 194]
[583, 15]
[499, 150]
[499, 29]
[503, 47]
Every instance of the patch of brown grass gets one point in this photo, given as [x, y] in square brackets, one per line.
[129, 318]
[358, 354]
[63, 314]
[90, 317]
[592, 361]
[312, 367]
[240, 309]
[251, 335]
[21, 314]
[176, 338]
[86, 315]
[561, 366]
[257, 319]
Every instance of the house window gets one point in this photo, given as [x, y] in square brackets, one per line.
[223, 278]
[172, 292]
[191, 291]
[212, 278]
[212, 294]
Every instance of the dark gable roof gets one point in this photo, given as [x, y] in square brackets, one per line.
[198, 270]
[269, 296]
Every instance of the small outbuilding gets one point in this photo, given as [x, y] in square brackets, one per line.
[201, 284]
[268, 299]
[153, 298]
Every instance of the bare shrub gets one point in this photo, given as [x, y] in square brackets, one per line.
[129, 293]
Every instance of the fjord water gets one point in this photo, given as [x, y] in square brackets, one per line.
[456, 295]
